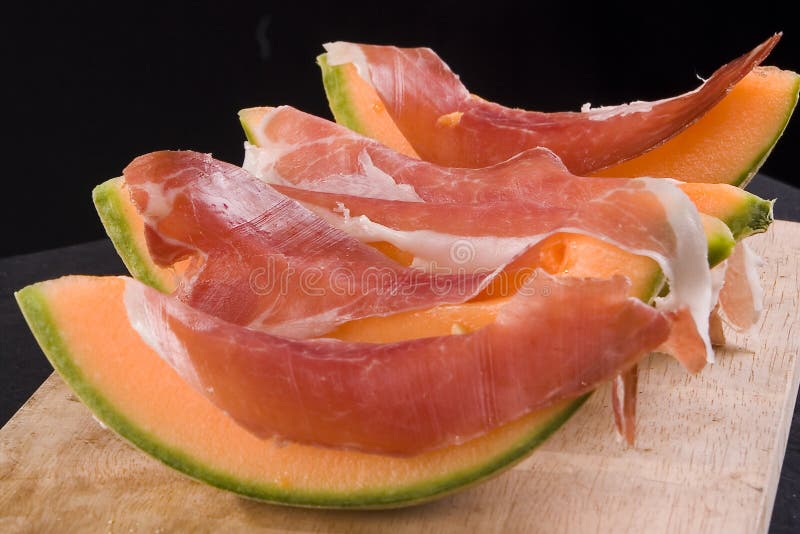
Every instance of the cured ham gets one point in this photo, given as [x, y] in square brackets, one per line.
[447, 125]
[741, 297]
[623, 401]
[301, 150]
[307, 152]
[556, 339]
[260, 259]
[310, 153]
[647, 217]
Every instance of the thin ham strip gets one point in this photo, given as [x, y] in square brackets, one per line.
[447, 125]
[308, 152]
[648, 217]
[482, 218]
[556, 339]
[262, 260]
[741, 297]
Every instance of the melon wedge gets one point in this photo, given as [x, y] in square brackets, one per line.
[730, 142]
[727, 145]
[125, 227]
[131, 390]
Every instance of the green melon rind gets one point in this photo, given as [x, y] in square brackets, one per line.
[720, 246]
[34, 306]
[743, 179]
[248, 132]
[339, 101]
[344, 111]
[753, 216]
[106, 198]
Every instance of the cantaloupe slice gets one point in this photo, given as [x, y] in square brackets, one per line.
[730, 142]
[727, 145]
[82, 326]
[562, 254]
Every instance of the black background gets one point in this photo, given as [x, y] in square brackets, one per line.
[87, 88]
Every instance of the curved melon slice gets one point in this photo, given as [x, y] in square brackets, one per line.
[730, 142]
[133, 391]
[125, 227]
[727, 145]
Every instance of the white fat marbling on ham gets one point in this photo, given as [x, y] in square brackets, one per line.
[432, 249]
[341, 53]
[156, 333]
[741, 298]
[718, 279]
[365, 181]
[752, 265]
[688, 273]
[607, 112]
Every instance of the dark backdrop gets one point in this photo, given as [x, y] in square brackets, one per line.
[87, 89]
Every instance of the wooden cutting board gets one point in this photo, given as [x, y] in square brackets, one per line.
[708, 455]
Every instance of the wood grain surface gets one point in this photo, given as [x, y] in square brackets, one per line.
[707, 459]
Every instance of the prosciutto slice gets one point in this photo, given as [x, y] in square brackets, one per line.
[260, 259]
[556, 339]
[301, 150]
[624, 390]
[647, 217]
[447, 125]
[741, 297]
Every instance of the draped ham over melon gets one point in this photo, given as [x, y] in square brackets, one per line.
[538, 197]
[301, 150]
[260, 259]
[445, 124]
[333, 328]
[741, 296]
[648, 219]
[555, 340]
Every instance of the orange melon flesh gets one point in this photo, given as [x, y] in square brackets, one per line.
[727, 145]
[730, 142]
[370, 111]
[743, 212]
[135, 393]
